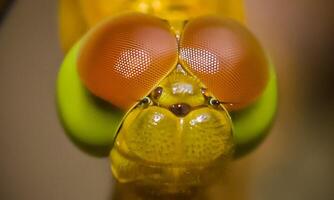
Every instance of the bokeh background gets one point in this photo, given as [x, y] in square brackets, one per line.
[296, 161]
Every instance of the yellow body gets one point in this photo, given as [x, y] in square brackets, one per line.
[158, 148]
[154, 147]
[78, 16]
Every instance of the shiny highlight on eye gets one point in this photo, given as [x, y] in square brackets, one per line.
[226, 57]
[203, 61]
[132, 63]
[124, 58]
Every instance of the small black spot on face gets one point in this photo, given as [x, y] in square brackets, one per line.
[214, 102]
[180, 109]
[157, 92]
[145, 101]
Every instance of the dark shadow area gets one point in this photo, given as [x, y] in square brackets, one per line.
[133, 192]
[5, 6]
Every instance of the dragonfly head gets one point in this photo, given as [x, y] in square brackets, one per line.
[180, 92]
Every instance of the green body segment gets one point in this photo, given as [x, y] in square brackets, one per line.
[91, 122]
[252, 124]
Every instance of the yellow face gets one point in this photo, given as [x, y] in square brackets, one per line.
[178, 134]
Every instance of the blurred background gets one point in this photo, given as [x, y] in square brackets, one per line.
[296, 161]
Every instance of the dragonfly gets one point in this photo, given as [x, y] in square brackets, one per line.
[174, 90]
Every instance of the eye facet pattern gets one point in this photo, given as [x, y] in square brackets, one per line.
[133, 63]
[227, 58]
[203, 61]
[122, 59]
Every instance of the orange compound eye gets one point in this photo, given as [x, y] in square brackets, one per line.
[227, 58]
[122, 59]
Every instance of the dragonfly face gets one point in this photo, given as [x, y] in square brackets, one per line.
[179, 60]
[178, 134]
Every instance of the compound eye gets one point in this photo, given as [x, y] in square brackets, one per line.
[122, 59]
[227, 58]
